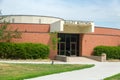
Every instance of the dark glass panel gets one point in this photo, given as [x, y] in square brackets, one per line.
[62, 38]
[73, 52]
[73, 38]
[67, 42]
[62, 52]
[62, 46]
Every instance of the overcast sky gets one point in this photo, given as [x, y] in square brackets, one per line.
[104, 13]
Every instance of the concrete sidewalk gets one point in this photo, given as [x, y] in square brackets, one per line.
[99, 72]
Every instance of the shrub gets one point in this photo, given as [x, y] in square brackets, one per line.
[111, 51]
[23, 50]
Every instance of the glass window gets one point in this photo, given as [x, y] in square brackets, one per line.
[62, 38]
[62, 52]
[62, 46]
[73, 38]
[13, 20]
[39, 21]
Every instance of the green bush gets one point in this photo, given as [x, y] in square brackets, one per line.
[23, 51]
[112, 52]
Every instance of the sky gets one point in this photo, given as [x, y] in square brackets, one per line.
[104, 13]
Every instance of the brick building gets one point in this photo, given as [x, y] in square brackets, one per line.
[78, 38]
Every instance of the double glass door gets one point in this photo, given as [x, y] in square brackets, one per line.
[68, 45]
[73, 48]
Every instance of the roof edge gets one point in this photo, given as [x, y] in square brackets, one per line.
[107, 27]
[35, 16]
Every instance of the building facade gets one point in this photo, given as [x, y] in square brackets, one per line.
[78, 38]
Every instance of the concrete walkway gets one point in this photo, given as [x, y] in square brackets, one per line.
[99, 72]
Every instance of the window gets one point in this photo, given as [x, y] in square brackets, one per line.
[13, 20]
[39, 21]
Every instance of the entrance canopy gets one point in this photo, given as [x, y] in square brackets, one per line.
[72, 26]
[78, 27]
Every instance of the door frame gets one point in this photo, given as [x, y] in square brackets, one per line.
[77, 45]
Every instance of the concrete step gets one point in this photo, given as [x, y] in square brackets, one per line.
[80, 59]
[74, 59]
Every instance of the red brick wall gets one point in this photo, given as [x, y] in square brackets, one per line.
[101, 36]
[34, 38]
[31, 27]
[39, 33]
[34, 33]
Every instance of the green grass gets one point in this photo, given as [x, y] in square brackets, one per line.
[24, 71]
[114, 77]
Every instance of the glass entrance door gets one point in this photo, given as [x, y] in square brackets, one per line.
[68, 45]
[62, 47]
[73, 48]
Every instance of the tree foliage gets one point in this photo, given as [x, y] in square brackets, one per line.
[6, 34]
[54, 40]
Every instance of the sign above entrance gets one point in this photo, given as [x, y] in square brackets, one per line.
[74, 26]
[77, 22]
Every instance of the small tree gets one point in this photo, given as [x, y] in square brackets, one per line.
[54, 40]
[7, 34]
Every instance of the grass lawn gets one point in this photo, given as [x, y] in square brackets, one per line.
[23, 71]
[114, 77]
